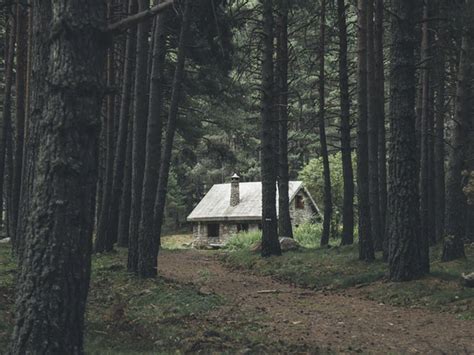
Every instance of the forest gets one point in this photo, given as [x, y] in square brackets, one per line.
[236, 176]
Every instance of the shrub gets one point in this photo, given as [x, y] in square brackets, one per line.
[243, 240]
[308, 235]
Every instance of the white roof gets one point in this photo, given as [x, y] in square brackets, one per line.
[215, 205]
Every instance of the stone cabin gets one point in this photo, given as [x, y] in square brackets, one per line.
[237, 206]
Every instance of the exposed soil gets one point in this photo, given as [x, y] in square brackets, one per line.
[317, 320]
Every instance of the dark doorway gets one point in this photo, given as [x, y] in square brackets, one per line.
[213, 230]
[242, 227]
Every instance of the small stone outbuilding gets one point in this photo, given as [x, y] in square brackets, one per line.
[237, 206]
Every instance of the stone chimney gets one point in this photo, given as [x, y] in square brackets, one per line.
[234, 190]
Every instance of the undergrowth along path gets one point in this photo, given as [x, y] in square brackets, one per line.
[317, 319]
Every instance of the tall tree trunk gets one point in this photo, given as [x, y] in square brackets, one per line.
[66, 101]
[379, 102]
[126, 196]
[21, 111]
[425, 179]
[366, 247]
[147, 237]
[284, 220]
[270, 242]
[102, 242]
[10, 40]
[347, 171]
[140, 114]
[124, 130]
[403, 197]
[149, 256]
[322, 131]
[439, 150]
[453, 246]
[373, 131]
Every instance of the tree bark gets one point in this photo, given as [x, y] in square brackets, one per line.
[21, 111]
[425, 178]
[322, 131]
[66, 98]
[10, 40]
[346, 151]
[403, 197]
[113, 230]
[149, 256]
[104, 241]
[284, 220]
[140, 115]
[453, 246]
[270, 242]
[373, 131]
[380, 112]
[126, 196]
[366, 247]
[439, 149]
[147, 234]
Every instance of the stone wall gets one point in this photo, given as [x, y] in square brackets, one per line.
[300, 216]
[226, 231]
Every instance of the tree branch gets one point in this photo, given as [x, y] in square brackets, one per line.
[135, 19]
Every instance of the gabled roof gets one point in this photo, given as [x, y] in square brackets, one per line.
[215, 205]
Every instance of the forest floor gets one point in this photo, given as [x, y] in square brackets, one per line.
[213, 301]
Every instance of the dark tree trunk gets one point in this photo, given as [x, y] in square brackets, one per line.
[270, 242]
[149, 256]
[347, 171]
[67, 92]
[147, 235]
[140, 114]
[380, 113]
[403, 200]
[322, 131]
[366, 247]
[21, 111]
[425, 179]
[126, 196]
[439, 150]
[373, 131]
[453, 247]
[10, 39]
[102, 241]
[124, 131]
[284, 220]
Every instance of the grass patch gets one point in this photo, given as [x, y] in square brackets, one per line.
[177, 241]
[338, 268]
[7, 276]
[308, 235]
[127, 315]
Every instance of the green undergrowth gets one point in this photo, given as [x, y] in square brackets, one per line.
[127, 315]
[307, 235]
[338, 268]
[7, 276]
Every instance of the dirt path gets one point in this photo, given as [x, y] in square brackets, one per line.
[317, 319]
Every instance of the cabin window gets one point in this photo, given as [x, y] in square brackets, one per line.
[299, 202]
[242, 227]
[213, 230]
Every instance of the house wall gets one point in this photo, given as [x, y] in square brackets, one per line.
[301, 216]
[228, 229]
